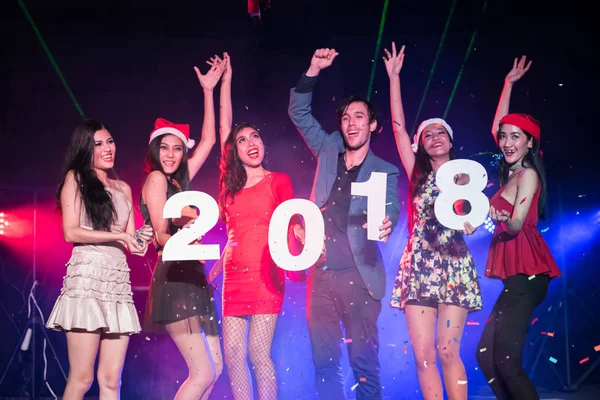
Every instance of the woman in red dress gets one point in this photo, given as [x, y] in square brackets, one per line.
[252, 284]
[518, 254]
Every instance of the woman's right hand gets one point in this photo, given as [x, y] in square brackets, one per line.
[394, 61]
[518, 70]
[499, 216]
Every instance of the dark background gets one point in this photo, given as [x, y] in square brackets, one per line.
[128, 63]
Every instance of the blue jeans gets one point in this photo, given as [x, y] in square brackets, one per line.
[335, 296]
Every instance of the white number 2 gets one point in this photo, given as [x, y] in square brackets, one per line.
[450, 192]
[375, 190]
[178, 246]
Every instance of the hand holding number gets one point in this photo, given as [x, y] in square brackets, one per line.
[385, 228]
[209, 80]
[518, 70]
[500, 216]
[469, 229]
[394, 60]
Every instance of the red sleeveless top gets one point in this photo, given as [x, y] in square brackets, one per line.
[525, 253]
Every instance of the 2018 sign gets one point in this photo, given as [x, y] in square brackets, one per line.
[179, 247]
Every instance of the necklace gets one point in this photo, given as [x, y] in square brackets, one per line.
[516, 166]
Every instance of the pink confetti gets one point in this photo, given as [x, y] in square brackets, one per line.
[489, 185]
[584, 360]
[534, 321]
[472, 323]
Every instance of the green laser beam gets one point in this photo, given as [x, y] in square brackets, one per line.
[462, 67]
[50, 57]
[377, 48]
[435, 61]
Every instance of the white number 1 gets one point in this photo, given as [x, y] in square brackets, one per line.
[375, 190]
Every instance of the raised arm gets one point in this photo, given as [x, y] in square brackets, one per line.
[300, 110]
[393, 65]
[225, 111]
[518, 70]
[70, 204]
[209, 134]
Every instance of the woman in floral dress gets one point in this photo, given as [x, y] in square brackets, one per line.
[437, 282]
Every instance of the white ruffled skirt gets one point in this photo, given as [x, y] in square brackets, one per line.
[96, 294]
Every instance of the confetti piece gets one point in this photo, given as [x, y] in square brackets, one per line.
[551, 334]
[456, 340]
[472, 323]
[482, 350]
[491, 380]
[597, 348]
[405, 349]
[462, 382]
[534, 321]
[584, 360]
[354, 387]
[489, 319]
[448, 324]
[531, 277]
[347, 340]
[553, 360]
[232, 244]
[363, 379]
[489, 185]
[523, 200]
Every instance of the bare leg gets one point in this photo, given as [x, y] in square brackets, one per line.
[451, 322]
[188, 338]
[113, 348]
[421, 328]
[236, 355]
[214, 346]
[262, 329]
[82, 348]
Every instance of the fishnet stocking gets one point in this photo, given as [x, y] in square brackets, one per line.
[258, 348]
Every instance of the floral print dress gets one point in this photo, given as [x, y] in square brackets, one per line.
[436, 265]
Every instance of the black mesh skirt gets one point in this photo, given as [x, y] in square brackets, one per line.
[179, 291]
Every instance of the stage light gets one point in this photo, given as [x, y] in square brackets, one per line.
[489, 225]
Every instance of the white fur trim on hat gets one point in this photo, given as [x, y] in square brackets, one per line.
[168, 130]
[415, 144]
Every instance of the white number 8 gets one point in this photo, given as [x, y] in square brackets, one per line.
[450, 192]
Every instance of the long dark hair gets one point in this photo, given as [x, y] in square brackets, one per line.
[152, 163]
[96, 200]
[419, 175]
[533, 159]
[233, 174]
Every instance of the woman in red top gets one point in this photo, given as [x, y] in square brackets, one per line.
[252, 283]
[518, 254]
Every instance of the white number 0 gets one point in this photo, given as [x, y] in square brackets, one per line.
[450, 192]
[178, 247]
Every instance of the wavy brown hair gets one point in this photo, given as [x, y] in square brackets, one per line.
[233, 174]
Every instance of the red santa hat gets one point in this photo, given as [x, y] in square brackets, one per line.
[164, 127]
[524, 121]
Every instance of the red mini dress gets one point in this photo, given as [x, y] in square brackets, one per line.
[525, 253]
[252, 282]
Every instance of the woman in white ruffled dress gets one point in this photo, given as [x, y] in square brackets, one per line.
[95, 306]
